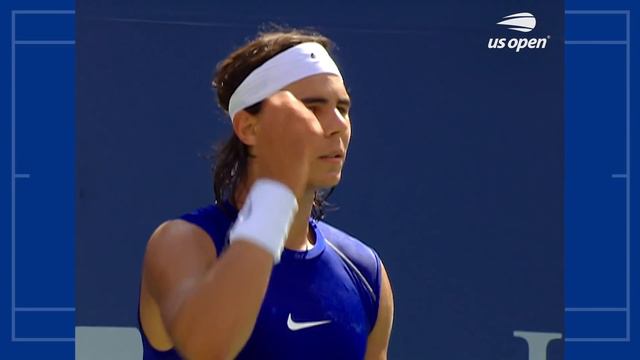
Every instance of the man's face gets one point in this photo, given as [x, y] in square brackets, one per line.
[327, 97]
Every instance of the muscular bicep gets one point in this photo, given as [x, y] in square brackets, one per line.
[178, 255]
[378, 340]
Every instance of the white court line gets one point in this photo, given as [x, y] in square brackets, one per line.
[44, 12]
[595, 42]
[15, 176]
[32, 339]
[610, 339]
[597, 12]
[602, 309]
[45, 42]
[45, 309]
[628, 181]
[627, 175]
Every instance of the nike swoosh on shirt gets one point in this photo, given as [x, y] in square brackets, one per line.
[295, 326]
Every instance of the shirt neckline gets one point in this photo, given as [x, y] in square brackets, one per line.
[289, 254]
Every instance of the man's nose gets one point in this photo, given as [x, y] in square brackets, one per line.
[335, 123]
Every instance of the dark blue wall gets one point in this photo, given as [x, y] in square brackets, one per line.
[455, 170]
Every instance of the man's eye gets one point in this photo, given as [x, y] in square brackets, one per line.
[343, 110]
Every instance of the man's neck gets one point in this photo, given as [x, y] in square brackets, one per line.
[299, 237]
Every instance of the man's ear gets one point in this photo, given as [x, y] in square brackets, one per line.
[244, 125]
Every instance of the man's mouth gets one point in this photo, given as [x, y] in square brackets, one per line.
[333, 155]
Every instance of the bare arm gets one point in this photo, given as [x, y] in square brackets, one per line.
[378, 341]
[208, 305]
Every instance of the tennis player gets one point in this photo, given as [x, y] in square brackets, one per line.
[258, 275]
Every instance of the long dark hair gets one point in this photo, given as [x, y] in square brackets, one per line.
[230, 159]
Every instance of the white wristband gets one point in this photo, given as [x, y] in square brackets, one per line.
[266, 216]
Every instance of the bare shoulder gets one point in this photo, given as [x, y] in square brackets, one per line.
[178, 232]
[378, 341]
[176, 252]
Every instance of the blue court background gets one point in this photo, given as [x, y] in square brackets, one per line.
[601, 273]
[451, 298]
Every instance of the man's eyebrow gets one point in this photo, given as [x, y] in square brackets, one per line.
[312, 100]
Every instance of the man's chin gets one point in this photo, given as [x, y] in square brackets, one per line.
[327, 182]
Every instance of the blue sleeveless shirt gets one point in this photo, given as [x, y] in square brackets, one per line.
[320, 304]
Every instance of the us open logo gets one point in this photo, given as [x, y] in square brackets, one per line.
[523, 23]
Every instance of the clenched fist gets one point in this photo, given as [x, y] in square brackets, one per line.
[286, 134]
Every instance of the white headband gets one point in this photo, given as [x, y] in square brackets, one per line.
[291, 65]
